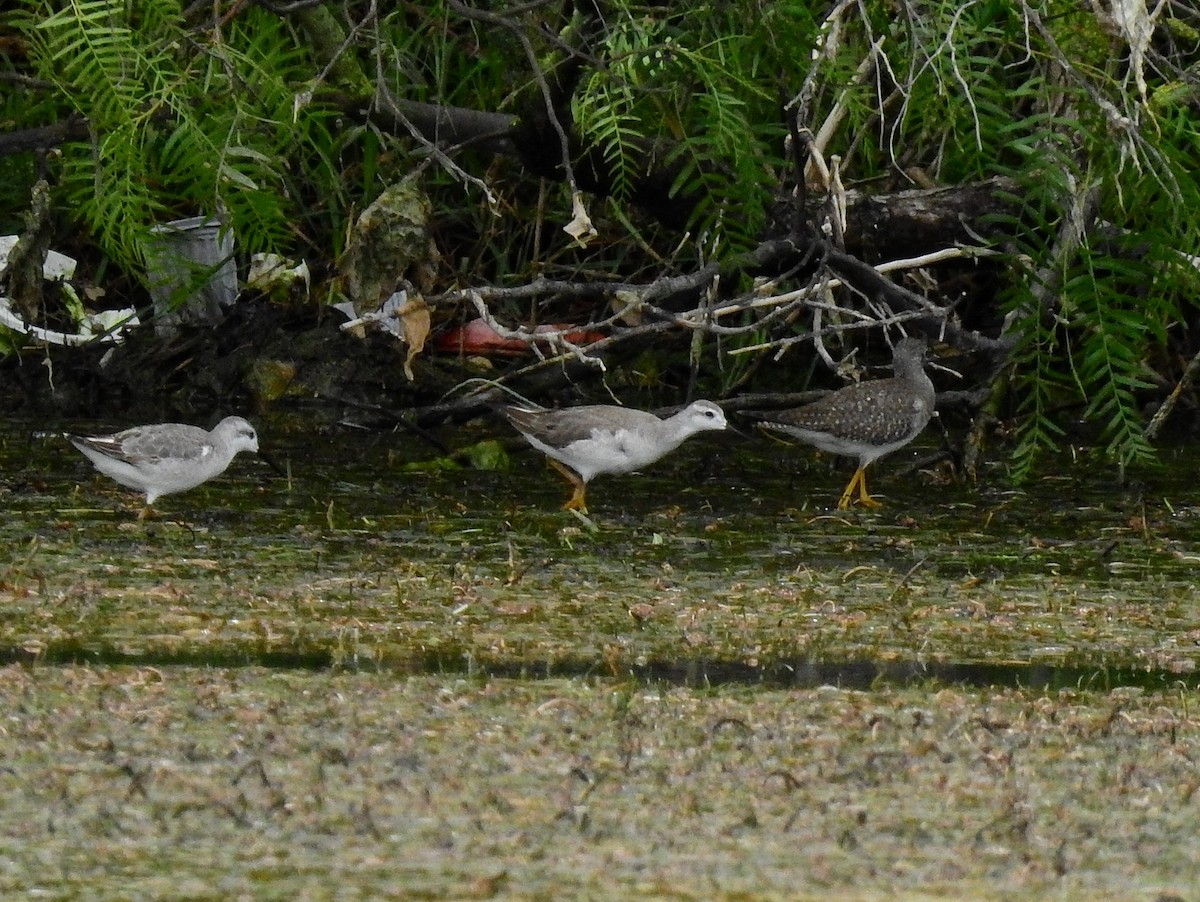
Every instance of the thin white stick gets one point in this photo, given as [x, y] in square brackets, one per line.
[949, 253]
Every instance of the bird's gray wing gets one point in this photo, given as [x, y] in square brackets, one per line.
[175, 441]
[559, 428]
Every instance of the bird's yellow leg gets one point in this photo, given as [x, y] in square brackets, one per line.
[844, 501]
[858, 481]
[863, 497]
[576, 502]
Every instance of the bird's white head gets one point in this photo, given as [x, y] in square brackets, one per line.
[702, 415]
[239, 434]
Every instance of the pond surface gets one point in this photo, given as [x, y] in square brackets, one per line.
[379, 678]
[723, 562]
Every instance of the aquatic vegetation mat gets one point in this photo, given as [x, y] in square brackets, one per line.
[360, 680]
[720, 555]
[173, 783]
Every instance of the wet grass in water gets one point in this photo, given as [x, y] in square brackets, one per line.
[371, 564]
[249, 783]
[375, 755]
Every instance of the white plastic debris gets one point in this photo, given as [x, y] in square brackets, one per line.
[387, 317]
[57, 266]
[271, 273]
[107, 325]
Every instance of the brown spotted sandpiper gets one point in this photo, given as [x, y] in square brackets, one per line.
[866, 420]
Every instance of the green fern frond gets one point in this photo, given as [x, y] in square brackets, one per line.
[180, 127]
[696, 92]
[607, 121]
[1115, 342]
[1041, 385]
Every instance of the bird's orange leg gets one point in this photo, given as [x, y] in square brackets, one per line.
[576, 502]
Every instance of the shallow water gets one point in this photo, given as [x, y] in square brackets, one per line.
[342, 683]
[723, 563]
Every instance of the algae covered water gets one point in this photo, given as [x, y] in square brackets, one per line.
[357, 678]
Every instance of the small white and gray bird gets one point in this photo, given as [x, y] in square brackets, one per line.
[867, 420]
[164, 458]
[585, 442]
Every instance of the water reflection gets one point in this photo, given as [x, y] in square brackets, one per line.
[694, 674]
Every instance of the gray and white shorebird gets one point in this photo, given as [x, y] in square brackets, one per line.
[165, 458]
[585, 442]
[866, 420]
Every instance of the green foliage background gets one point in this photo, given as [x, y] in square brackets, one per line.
[236, 116]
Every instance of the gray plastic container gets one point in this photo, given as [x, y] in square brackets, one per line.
[192, 273]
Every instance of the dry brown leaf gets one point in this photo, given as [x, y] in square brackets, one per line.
[415, 317]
